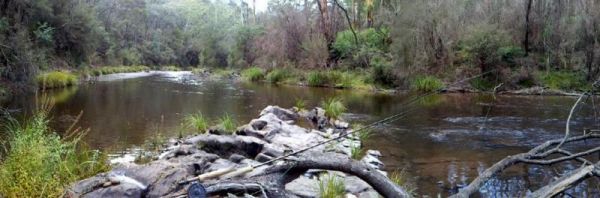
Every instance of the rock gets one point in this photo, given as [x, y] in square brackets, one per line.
[225, 145]
[373, 162]
[258, 124]
[374, 153]
[303, 187]
[369, 194]
[355, 185]
[121, 190]
[263, 158]
[281, 113]
[236, 158]
[125, 159]
[348, 195]
[318, 118]
[340, 124]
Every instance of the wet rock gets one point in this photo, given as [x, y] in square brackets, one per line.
[281, 113]
[340, 124]
[258, 124]
[225, 145]
[318, 118]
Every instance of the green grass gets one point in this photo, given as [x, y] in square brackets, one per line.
[317, 79]
[334, 108]
[330, 186]
[98, 71]
[427, 84]
[253, 74]
[223, 72]
[356, 152]
[278, 76]
[402, 179]
[197, 122]
[563, 80]
[40, 163]
[170, 68]
[228, 123]
[300, 104]
[56, 79]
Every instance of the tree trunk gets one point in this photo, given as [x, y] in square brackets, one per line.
[527, 27]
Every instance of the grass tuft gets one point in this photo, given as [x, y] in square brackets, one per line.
[253, 74]
[228, 123]
[300, 104]
[402, 179]
[334, 108]
[56, 79]
[427, 84]
[330, 186]
[356, 152]
[197, 122]
[40, 163]
[278, 76]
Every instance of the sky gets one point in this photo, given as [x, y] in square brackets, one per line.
[261, 5]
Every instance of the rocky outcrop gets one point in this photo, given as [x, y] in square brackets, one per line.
[271, 135]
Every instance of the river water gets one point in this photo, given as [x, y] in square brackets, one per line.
[443, 143]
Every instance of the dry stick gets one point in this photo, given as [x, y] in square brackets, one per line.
[569, 120]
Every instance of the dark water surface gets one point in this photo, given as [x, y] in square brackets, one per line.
[444, 142]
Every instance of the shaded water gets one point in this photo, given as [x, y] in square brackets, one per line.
[444, 142]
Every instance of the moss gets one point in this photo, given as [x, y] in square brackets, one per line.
[253, 74]
[40, 163]
[427, 84]
[56, 79]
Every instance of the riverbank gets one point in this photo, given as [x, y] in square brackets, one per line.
[275, 133]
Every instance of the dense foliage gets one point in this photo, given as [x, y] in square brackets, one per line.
[393, 40]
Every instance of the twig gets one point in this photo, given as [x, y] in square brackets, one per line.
[569, 120]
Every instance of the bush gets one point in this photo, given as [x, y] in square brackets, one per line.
[278, 75]
[56, 79]
[382, 72]
[197, 122]
[39, 163]
[333, 107]
[485, 46]
[427, 84]
[253, 74]
[331, 187]
[345, 44]
[563, 80]
[482, 84]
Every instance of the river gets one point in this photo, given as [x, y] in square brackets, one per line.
[443, 142]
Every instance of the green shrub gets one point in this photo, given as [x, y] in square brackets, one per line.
[563, 80]
[382, 72]
[227, 123]
[330, 186]
[333, 107]
[56, 79]
[278, 75]
[197, 122]
[345, 44]
[40, 163]
[253, 74]
[427, 84]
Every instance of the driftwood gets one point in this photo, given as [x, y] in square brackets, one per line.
[272, 181]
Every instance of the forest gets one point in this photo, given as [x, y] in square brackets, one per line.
[521, 44]
[299, 98]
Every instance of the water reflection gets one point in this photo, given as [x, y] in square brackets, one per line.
[445, 142]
